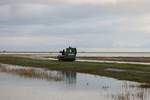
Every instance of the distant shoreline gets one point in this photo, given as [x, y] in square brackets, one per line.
[78, 52]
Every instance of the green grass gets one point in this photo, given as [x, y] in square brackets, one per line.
[130, 72]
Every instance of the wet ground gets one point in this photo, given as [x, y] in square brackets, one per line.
[28, 83]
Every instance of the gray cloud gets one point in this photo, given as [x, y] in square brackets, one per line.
[91, 23]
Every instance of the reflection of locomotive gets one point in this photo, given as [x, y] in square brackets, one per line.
[67, 55]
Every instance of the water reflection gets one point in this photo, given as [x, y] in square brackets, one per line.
[40, 73]
[137, 94]
[60, 85]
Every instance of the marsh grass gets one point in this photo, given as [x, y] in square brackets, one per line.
[131, 70]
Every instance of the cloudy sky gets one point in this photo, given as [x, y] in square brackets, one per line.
[41, 25]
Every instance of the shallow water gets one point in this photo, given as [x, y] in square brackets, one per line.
[115, 54]
[88, 54]
[27, 83]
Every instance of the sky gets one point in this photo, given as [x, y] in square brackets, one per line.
[43, 25]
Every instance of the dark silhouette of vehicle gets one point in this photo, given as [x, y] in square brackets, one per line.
[68, 54]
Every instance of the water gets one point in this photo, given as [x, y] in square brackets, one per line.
[115, 54]
[91, 54]
[27, 83]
